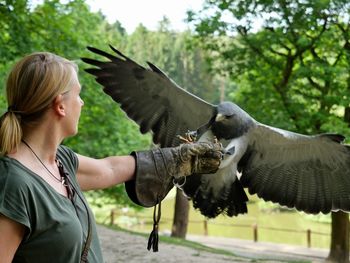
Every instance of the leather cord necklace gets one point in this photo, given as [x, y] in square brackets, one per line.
[61, 179]
[70, 187]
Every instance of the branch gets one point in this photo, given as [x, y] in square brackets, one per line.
[309, 96]
[243, 32]
[315, 84]
[271, 29]
[313, 39]
[277, 53]
[338, 57]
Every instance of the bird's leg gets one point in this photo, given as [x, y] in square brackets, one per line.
[189, 137]
[183, 139]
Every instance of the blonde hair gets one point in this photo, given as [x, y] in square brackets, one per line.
[32, 85]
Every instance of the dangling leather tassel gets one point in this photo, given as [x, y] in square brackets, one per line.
[154, 237]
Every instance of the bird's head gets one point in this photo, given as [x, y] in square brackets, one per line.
[225, 111]
[230, 121]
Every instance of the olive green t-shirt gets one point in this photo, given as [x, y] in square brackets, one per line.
[56, 229]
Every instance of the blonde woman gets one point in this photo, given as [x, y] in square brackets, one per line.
[43, 214]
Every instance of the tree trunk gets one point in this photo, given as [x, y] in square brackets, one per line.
[340, 225]
[339, 251]
[181, 213]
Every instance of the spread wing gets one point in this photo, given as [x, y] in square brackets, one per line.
[310, 173]
[149, 97]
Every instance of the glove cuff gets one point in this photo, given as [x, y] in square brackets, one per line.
[152, 181]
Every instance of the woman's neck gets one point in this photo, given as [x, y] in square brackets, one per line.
[43, 140]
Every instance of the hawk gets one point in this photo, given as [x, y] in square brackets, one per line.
[309, 173]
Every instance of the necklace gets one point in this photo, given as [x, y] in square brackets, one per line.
[61, 179]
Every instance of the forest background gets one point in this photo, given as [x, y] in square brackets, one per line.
[292, 72]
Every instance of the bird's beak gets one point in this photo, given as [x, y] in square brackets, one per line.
[219, 117]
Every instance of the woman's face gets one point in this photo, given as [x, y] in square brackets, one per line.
[73, 104]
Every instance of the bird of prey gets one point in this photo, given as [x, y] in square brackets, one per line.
[309, 173]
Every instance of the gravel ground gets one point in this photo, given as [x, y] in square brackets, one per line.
[118, 246]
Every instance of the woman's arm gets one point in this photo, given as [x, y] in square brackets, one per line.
[11, 235]
[102, 173]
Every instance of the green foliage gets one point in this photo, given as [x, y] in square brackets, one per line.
[13, 21]
[290, 61]
[291, 69]
[173, 53]
[66, 28]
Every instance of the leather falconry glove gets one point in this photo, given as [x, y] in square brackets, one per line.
[157, 168]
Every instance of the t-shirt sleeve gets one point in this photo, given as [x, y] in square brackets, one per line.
[69, 158]
[13, 196]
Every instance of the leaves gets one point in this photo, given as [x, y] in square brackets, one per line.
[66, 28]
[293, 70]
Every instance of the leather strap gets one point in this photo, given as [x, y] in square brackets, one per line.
[85, 252]
[69, 184]
[154, 237]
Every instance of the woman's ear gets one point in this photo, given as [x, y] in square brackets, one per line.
[58, 106]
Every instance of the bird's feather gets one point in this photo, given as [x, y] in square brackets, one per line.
[309, 173]
[149, 97]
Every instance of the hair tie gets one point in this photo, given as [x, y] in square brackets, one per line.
[10, 109]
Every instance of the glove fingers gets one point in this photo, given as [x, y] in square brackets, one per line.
[213, 154]
[205, 157]
[204, 147]
[208, 165]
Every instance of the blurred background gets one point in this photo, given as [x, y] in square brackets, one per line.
[285, 62]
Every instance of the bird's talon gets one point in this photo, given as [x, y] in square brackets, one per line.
[189, 137]
[183, 139]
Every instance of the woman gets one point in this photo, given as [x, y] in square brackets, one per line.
[43, 214]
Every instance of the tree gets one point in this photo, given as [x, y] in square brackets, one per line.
[66, 29]
[13, 22]
[181, 214]
[291, 71]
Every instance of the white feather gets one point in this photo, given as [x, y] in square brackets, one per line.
[227, 173]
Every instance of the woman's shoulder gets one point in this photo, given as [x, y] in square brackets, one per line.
[68, 158]
[12, 171]
[16, 188]
[10, 166]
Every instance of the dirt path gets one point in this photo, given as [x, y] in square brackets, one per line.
[263, 250]
[122, 247]
[119, 246]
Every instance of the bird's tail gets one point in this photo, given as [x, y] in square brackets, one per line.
[231, 201]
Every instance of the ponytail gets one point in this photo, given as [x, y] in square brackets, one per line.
[10, 132]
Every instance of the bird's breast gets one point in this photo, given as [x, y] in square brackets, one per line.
[236, 147]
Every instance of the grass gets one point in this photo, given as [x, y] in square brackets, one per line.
[176, 241]
[194, 245]
[288, 227]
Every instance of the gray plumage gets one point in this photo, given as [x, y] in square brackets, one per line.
[310, 173]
